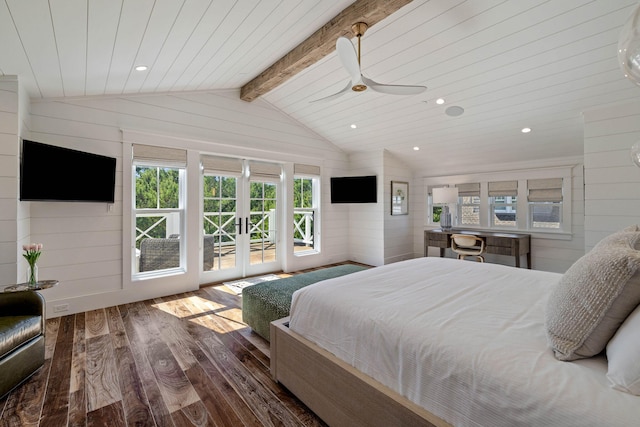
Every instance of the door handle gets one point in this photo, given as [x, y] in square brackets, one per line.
[239, 225]
[247, 225]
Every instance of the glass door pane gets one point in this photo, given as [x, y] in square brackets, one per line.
[263, 219]
[220, 244]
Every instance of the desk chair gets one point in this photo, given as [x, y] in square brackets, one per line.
[468, 245]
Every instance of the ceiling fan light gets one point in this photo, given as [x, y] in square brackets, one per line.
[359, 88]
[635, 153]
[629, 47]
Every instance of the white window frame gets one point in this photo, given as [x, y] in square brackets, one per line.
[493, 204]
[181, 227]
[315, 209]
[530, 212]
[462, 205]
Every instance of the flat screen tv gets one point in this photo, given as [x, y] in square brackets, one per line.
[354, 189]
[51, 173]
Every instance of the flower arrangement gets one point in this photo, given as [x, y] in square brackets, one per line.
[31, 253]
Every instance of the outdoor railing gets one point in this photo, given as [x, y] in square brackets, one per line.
[223, 226]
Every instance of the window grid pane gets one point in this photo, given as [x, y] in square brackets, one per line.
[304, 215]
[158, 218]
[545, 215]
[503, 211]
[470, 210]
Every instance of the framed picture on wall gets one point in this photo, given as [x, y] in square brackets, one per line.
[399, 198]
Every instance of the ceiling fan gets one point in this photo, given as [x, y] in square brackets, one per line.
[351, 61]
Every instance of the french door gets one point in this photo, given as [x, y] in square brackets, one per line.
[241, 220]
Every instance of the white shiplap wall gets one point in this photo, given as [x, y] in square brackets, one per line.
[398, 229]
[612, 181]
[84, 240]
[366, 220]
[9, 172]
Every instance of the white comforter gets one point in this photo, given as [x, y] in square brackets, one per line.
[465, 340]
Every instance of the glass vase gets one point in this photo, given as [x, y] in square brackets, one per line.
[32, 275]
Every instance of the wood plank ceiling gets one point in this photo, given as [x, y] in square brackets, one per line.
[508, 63]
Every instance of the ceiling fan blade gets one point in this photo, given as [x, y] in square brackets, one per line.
[335, 95]
[393, 89]
[349, 57]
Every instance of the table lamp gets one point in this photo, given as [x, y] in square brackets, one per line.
[445, 196]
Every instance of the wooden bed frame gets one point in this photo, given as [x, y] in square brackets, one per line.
[337, 392]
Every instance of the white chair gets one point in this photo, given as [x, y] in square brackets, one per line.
[468, 245]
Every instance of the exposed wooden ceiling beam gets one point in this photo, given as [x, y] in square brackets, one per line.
[319, 44]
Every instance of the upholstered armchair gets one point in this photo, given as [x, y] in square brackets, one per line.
[22, 327]
[158, 254]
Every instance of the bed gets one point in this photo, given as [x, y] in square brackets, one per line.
[442, 342]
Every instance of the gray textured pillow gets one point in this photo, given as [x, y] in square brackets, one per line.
[594, 297]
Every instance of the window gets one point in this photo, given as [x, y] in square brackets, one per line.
[219, 208]
[263, 215]
[503, 199]
[306, 185]
[469, 203]
[545, 203]
[158, 208]
[434, 210]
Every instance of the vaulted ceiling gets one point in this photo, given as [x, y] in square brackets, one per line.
[508, 64]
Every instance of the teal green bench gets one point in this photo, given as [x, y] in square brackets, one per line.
[268, 301]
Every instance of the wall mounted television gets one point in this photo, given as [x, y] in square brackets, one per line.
[51, 173]
[354, 189]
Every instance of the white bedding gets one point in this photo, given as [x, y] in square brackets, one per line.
[465, 340]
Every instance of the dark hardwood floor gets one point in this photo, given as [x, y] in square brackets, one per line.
[183, 360]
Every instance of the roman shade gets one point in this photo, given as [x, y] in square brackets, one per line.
[216, 164]
[471, 189]
[300, 169]
[503, 188]
[264, 170]
[545, 190]
[159, 155]
[431, 187]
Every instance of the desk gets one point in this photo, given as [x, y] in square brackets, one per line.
[495, 243]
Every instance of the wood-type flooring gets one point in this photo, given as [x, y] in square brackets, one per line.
[181, 360]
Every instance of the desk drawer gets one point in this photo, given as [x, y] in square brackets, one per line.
[499, 250]
[503, 242]
[438, 240]
[438, 237]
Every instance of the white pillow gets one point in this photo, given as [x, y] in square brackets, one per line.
[594, 297]
[623, 354]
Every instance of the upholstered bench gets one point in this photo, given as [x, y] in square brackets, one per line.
[269, 301]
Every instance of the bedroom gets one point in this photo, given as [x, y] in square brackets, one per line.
[85, 243]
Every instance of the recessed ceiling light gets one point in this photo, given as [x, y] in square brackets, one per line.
[439, 101]
[142, 68]
[416, 148]
[353, 126]
[526, 130]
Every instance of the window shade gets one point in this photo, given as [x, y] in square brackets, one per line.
[300, 169]
[545, 190]
[212, 164]
[431, 187]
[160, 155]
[470, 189]
[503, 188]
[264, 170]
